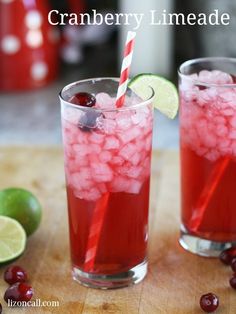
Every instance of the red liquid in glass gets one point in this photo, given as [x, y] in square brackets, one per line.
[219, 220]
[123, 239]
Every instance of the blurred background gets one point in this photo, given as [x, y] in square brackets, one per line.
[37, 59]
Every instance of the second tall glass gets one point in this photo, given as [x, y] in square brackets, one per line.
[208, 154]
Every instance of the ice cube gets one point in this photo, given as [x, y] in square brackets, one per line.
[111, 142]
[228, 96]
[72, 115]
[131, 172]
[201, 150]
[134, 186]
[202, 126]
[232, 134]
[148, 143]
[105, 156]
[130, 135]
[210, 94]
[212, 155]
[234, 148]
[146, 167]
[81, 150]
[190, 95]
[81, 180]
[224, 144]
[117, 160]
[209, 139]
[70, 134]
[219, 120]
[233, 121]
[89, 195]
[187, 85]
[101, 172]
[215, 77]
[221, 77]
[135, 159]
[128, 151]
[82, 137]
[137, 117]
[193, 136]
[78, 193]
[104, 101]
[119, 184]
[123, 121]
[94, 149]
[96, 138]
[205, 76]
[109, 126]
[221, 130]
[80, 162]
[228, 112]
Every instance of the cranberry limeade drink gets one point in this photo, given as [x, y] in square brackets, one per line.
[208, 154]
[107, 146]
[107, 163]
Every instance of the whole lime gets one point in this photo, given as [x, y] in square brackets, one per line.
[23, 206]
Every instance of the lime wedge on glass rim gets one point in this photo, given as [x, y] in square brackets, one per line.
[12, 239]
[166, 97]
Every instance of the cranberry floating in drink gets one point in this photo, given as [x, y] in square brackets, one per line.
[208, 155]
[83, 99]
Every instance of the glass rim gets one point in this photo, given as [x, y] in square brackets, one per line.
[205, 59]
[116, 79]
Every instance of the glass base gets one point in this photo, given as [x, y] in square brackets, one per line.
[133, 276]
[201, 246]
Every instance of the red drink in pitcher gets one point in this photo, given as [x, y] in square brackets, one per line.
[107, 163]
[208, 155]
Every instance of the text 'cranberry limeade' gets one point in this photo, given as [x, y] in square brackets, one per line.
[107, 162]
[208, 158]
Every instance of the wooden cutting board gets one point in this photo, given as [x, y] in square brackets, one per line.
[176, 279]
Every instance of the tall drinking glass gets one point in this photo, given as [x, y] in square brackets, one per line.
[107, 153]
[208, 154]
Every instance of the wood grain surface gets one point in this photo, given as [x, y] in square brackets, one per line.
[176, 279]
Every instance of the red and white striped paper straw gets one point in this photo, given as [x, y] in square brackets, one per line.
[95, 232]
[125, 69]
[101, 206]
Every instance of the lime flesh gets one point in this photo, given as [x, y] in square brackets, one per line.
[12, 239]
[166, 97]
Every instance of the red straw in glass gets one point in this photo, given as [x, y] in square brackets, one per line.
[101, 205]
[207, 193]
[125, 69]
[95, 232]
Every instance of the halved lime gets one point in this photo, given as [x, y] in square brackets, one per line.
[12, 239]
[166, 96]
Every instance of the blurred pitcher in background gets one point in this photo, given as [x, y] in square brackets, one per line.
[28, 45]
